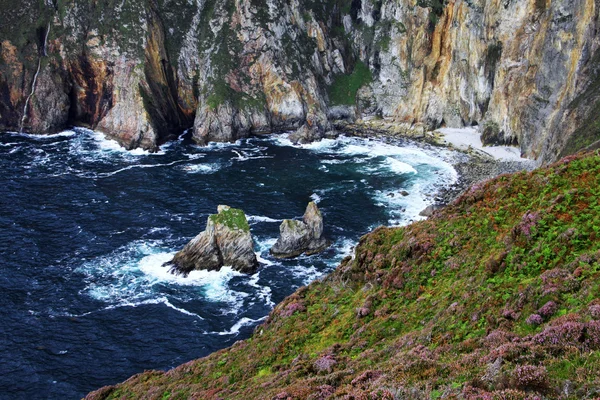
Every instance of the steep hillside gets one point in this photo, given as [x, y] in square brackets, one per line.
[497, 296]
[142, 71]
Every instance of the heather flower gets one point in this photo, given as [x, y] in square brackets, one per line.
[510, 314]
[558, 280]
[366, 376]
[566, 334]
[291, 308]
[528, 222]
[498, 337]
[548, 309]
[594, 310]
[530, 377]
[323, 392]
[535, 320]
[363, 311]
[325, 363]
[592, 331]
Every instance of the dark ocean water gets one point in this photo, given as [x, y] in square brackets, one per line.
[85, 227]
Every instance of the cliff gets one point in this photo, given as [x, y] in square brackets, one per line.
[525, 71]
[495, 296]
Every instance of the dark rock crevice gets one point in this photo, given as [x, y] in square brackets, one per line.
[159, 89]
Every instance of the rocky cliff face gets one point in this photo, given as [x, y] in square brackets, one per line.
[525, 71]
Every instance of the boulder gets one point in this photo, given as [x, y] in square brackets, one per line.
[301, 237]
[428, 212]
[225, 241]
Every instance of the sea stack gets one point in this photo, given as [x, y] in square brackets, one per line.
[301, 237]
[225, 241]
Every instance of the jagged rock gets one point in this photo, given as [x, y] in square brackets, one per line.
[298, 237]
[306, 134]
[225, 241]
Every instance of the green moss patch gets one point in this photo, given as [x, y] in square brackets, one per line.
[344, 88]
[232, 218]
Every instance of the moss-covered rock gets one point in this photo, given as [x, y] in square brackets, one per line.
[226, 241]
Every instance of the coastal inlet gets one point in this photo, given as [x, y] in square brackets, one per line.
[86, 226]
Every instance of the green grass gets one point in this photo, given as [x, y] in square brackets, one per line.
[233, 218]
[344, 88]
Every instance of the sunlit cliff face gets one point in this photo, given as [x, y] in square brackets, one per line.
[143, 72]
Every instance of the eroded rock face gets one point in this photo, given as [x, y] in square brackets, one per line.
[226, 241]
[301, 237]
[525, 71]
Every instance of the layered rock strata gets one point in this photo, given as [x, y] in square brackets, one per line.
[226, 241]
[301, 237]
[524, 71]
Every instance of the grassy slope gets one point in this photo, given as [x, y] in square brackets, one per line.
[496, 296]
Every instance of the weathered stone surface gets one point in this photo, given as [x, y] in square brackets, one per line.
[226, 241]
[525, 71]
[429, 211]
[299, 237]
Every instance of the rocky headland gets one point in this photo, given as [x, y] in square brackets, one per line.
[225, 241]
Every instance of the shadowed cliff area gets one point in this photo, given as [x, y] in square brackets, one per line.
[143, 71]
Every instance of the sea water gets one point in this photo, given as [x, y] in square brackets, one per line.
[85, 227]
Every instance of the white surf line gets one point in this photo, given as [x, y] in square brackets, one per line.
[44, 54]
[235, 329]
[161, 300]
[108, 174]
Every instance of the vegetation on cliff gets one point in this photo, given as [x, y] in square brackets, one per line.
[495, 296]
[344, 88]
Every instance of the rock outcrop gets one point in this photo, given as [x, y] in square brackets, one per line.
[226, 241]
[525, 71]
[301, 237]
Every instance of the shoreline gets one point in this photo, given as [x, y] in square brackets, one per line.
[480, 165]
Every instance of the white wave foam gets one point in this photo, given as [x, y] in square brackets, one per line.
[110, 145]
[316, 198]
[282, 139]
[160, 300]
[67, 133]
[259, 218]
[127, 168]
[399, 167]
[235, 329]
[306, 273]
[133, 274]
[263, 292]
[265, 244]
[201, 168]
[217, 146]
[343, 161]
[321, 146]
[194, 156]
[346, 248]
[262, 260]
